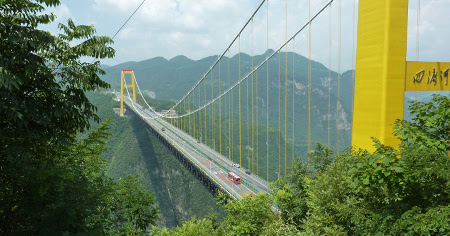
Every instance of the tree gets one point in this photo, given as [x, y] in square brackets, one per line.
[290, 194]
[321, 157]
[53, 183]
[389, 191]
[429, 127]
[43, 80]
[194, 226]
[247, 216]
[42, 85]
[134, 208]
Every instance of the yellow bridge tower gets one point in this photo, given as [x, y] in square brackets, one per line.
[383, 74]
[123, 85]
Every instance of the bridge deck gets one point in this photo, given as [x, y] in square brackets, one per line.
[214, 165]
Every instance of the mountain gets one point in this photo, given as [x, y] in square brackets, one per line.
[172, 79]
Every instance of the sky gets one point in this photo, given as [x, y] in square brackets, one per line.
[201, 28]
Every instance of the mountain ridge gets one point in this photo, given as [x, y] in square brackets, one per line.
[172, 79]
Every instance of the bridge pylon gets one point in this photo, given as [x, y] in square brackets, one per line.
[383, 74]
[123, 85]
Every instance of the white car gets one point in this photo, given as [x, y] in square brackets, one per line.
[235, 165]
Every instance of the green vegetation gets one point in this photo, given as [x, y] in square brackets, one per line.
[250, 216]
[55, 181]
[172, 79]
[133, 149]
[51, 182]
[388, 192]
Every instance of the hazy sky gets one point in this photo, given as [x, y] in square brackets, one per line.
[200, 28]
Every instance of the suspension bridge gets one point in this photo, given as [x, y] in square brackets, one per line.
[242, 126]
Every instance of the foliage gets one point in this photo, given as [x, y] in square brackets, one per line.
[253, 215]
[290, 194]
[134, 208]
[432, 221]
[321, 157]
[247, 216]
[53, 183]
[429, 127]
[204, 227]
[380, 175]
[43, 79]
[388, 192]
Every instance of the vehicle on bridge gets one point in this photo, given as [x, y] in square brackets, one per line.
[234, 177]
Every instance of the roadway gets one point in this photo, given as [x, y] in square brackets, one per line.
[212, 163]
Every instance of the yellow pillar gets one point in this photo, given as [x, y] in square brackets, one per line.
[133, 85]
[380, 71]
[121, 93]
[123, 85]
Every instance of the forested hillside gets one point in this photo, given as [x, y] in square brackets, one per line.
[133, 150]
[172, 79]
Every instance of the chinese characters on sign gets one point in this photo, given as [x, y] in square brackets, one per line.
[427, 76]
[433, 77]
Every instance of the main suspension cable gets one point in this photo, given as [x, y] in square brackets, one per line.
[261, 64]
[218, 59]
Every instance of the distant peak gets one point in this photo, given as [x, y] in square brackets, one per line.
[180, 58]
[155, 59]
[270, 51]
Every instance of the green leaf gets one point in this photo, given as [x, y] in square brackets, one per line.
[379, 168]
[366, 181]
[398, 169]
